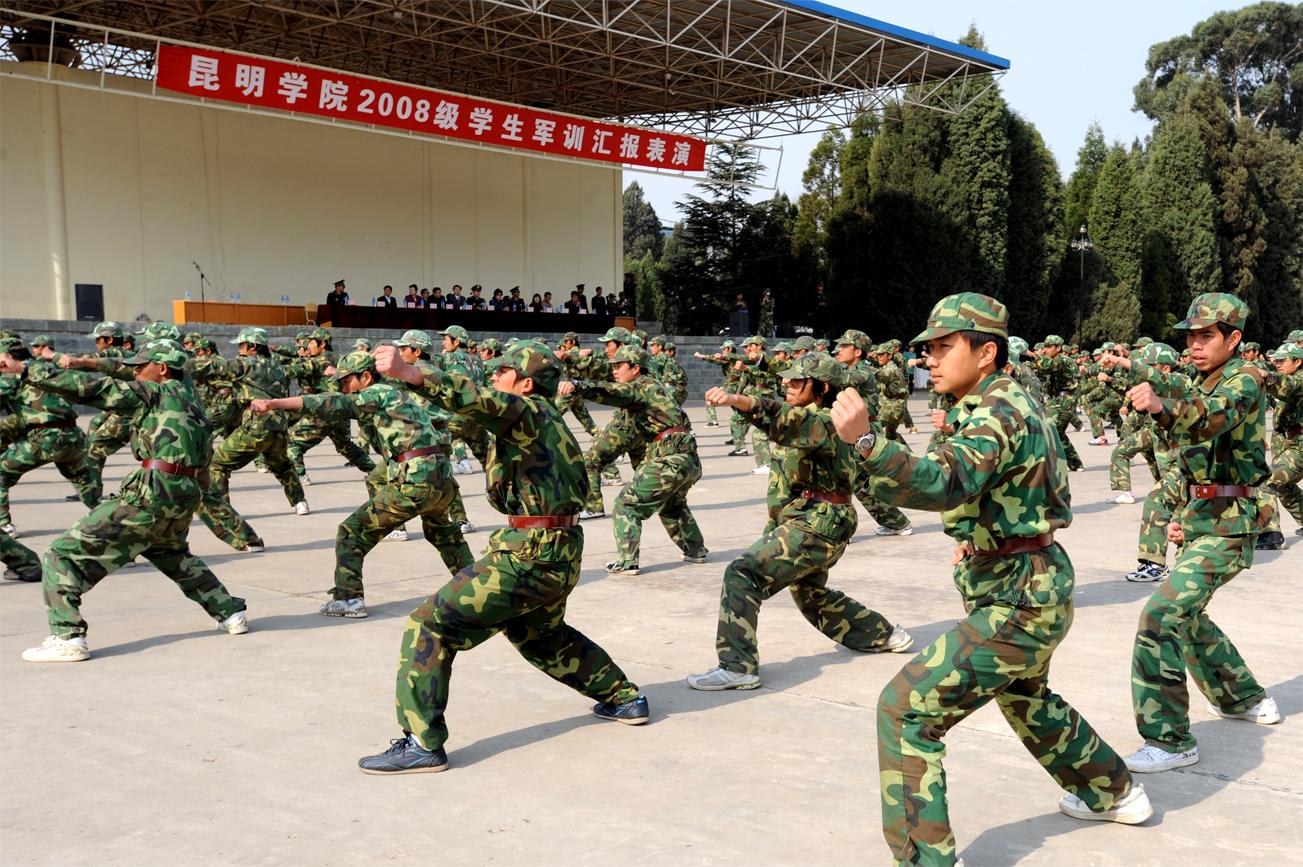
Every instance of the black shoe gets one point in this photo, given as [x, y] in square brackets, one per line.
[1270, 541]
[736, 452]
[30, 577]
[728, 442]
[72, 498]
[405, 756]
[631, 713]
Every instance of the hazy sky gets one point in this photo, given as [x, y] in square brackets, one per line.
[1070, 63]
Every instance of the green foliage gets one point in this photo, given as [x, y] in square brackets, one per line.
[1114, 315]
[646, 284]
[1081, 186]
[976, 173]
[822, 184]
[1117, 220]
[642, 228]
[1035, 227]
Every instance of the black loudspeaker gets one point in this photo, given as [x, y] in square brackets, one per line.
[90, 302]
[739, 324]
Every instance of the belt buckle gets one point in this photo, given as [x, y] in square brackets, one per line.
[1204, 492]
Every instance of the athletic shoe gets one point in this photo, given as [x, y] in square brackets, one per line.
[56, 649]
[355, 607]
[1150, 759]
[1123, 498]
[695, 557]
[728, 442]
[9, 529]
[906, 530]
[464, 467]
[72, 498]
[1100, 440]
[586, 515]
[305, 480]
[253, 548]
[1264, 713]
[1270, 541]
[1078, 469]
[466, 527]
[738, 452]
[615, 567]
[613, 481]
[262, 469]
[631, 713]
[301, 508]
[718, 679]
[897, 642]
[399, 535]
[760, 471]
[236, 624]
[405, 756]
[1131, 810]
[1146, 573]
[34, 575]
[712, 424]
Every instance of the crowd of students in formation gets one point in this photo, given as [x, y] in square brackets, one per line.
[500, 301]
[824, 421]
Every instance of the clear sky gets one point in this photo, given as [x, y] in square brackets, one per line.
[1070, 63]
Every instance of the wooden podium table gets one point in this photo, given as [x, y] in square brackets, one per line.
[227, 313]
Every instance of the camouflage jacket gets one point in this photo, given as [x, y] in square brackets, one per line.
[652, 410]
[675, 378]
[1220, 429]
[310, 371]
[1031, 383]
[251, 377]
[891, 382]
[1058, 375]
[167, 422]
[1288, 392]
[757, 378]
[31, 405]
[395, 422]
[459, 361]
[999, 476]
[862, 377]
[732, 375]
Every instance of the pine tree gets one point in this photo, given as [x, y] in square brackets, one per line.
[1035, 238]
[822, 183]
[1116, 221]
[977, 174]
[1081, 186]
[642, 228]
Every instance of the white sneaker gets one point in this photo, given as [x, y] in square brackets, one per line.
[760, 471]
[887, 531]
[586, 515]
[236, 624]
[9, 529]
[613, 481]
[254, 548]
[1131, 810]
[56, 649]
[466, 527]
[1264, 713]
[261, 469]
[301, 508]
[305, 480]
[355, 607]
[463, 467]
[1124, 498]
[718, 679]
[1150, 759]
[399, 535]
[897, 642]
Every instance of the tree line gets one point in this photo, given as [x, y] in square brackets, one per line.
[909, 204]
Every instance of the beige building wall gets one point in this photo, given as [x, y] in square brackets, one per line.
[125, 191]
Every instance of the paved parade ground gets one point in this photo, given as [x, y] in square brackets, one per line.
[177, 744]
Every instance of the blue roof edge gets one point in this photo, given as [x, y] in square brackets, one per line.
[902, 32]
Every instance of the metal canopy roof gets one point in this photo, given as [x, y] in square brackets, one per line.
[717, 68]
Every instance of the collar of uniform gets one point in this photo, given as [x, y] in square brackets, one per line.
[1208, 382]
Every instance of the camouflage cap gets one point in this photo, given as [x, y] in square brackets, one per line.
[534, 359]
[456, 332]
[1213, 307]
[1295, 336]
[1053, 340]
[355, 362]
[639, 335]
[253, 334]
[363, 344]
[966, 311]
[303, 335]
[617, 334]
[41, 340]
[821, 344]
[727, 344]
[658, 340]
[492, 344]
[631, 354]
[854, 337]
[570, 337]
[192, 336]
[1144, 341]
[670, 347]
[416, 339]
[783, 346]
[161, 351]
[894, 344]
[817, 365]
[1287, 351]
[804, 343]
[205, 343]
[1251, 346]
[322, 334]
[1017, 347]
[1159, 353]
[755, 340]
[10, 343]
[1108, 346]
[108, 328]
[160, 330]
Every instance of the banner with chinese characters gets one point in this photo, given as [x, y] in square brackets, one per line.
[220, 75]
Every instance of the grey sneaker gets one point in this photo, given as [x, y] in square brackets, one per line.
[405, 756]
[355, 607]
[718, 679]
[1131, 810]
[236, 624]
[897, 642]
[466, 527]
[1146, 573]
[1150, 759]
[587, 515]
[696, 556]
[615, 567]
[906, 530]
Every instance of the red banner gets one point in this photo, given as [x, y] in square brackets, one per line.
[213, 74]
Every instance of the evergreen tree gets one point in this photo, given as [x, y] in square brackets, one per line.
[977, 175]
[1081, 186]
[822, 184]
[642, 228]
[1116, 220]
[1114, 315]
[1035, 239]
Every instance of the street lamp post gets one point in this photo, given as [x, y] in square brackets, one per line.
[1081, 244]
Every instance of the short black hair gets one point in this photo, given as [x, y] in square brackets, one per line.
[20, 353]
[1228, 330]
[263, 349]
[977, 339]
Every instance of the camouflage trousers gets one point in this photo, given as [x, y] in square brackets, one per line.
[997, 652]
[795, 556]
[1283, 483]
[1175, 631]
[108, 434]
[503, 592]
[63, 447]
[1139, 441]
[574, 404]
[236, 451]
[615, 439]
[11, 430]
[391, 505]
[111, 536]
[310, 430]
[661, 485]
[1102, 413]
[886, 516]
[739, 427]
[1157, 513]
[223, 415]
[19, 557]
[1064, 411]
[891, 416]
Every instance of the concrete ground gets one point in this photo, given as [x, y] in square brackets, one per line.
[177, 744]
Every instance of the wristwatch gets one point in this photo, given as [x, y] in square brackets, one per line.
[865, 444]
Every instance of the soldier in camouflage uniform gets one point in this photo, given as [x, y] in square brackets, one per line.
[574, 403]
[752, 377]
[669, 469]
[618, 437]
[1219, 427]
[1285, 385]
[809, 533]
[218, 396]
[415, 479]
[309, 430]
[46, 433]
[535, 476]
[893, 393]
[465, 433]
[253, 374]
[21, 562]
[1058, 373]
[1016, 581]
[105, 431]
[725, 358]
[1136, 435]
[150, 515]
[666, 368]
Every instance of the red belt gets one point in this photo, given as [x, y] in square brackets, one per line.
[542, 522]
[420, 453]
[1213, 492]
[51, 425]
[669, 430]
[833, 497]
[168, 467]
[1291, 432]
[1021, 545]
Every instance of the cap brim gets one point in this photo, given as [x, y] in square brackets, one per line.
[932, 334]
[1194, 323]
